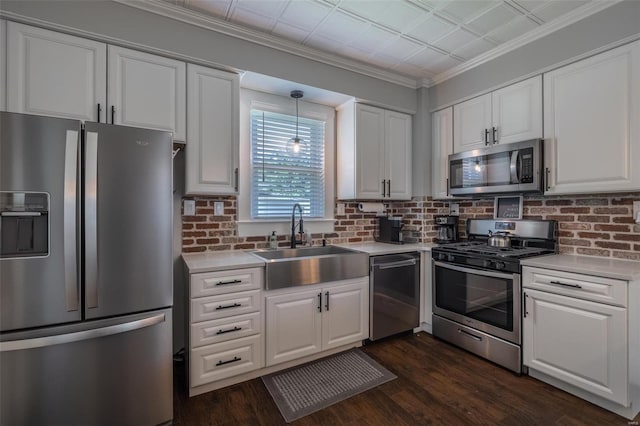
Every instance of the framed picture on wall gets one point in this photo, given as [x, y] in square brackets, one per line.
[508, 207]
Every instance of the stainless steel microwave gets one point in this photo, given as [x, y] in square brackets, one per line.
[514, 167]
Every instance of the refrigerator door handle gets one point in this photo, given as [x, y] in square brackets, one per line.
[90, 220]
[71, 282]
[38, 342]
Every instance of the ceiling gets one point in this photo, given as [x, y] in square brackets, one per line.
[426, 40]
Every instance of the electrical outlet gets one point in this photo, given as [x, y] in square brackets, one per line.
[189, 207]
[218, 208]
[636, 211]
[340, 209]
[454, 209]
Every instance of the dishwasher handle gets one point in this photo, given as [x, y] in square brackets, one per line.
[398, 264]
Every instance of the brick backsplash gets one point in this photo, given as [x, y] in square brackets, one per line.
[595, 225]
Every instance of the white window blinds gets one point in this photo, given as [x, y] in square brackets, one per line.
[280, 178]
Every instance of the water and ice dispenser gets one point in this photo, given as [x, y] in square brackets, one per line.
[24, 224]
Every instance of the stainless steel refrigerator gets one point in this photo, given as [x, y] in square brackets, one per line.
[86, 272]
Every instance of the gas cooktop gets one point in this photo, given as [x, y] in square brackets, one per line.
[481, 247]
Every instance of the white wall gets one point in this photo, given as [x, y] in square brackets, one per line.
[116, 22]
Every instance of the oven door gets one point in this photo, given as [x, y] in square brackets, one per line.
[485, 300]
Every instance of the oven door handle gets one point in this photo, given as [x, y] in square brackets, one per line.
[474, 271]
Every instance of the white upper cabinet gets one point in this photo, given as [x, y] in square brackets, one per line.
[442, 138]
[374, 153]
[213, 128]
[472, 121]
[147, 91]
[592, 124]
[3, 65]
[55, 74]
[517, 111]
[510, 114]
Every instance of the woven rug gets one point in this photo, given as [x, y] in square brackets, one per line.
[305, 389]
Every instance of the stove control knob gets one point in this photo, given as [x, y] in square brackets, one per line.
[487, 263]
[442, 256]
[450, 258]
[499, 265]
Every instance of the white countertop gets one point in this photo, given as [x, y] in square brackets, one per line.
[375, 248]
[220, 260]
[628, 270]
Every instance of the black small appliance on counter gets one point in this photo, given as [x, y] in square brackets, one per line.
[447, 229]
[390, 230]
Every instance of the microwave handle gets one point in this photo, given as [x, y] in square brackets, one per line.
[514, 166]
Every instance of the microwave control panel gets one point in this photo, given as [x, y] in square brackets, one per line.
[526, 168]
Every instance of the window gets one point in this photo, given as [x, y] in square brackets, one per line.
[279, 177]
[264, 205]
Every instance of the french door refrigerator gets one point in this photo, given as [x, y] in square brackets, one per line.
[86, 273]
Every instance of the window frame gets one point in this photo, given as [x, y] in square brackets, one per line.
[251, 99]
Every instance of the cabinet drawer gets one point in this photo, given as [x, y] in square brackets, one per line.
[221, 330]
[225, 305]
[221, 282]
[227, 359]
[587, 287]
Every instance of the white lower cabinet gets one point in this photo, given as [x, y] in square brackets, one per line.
[308, 321]
[578, 335]
[226, 335]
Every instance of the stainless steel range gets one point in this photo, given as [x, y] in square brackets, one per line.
[477, 295]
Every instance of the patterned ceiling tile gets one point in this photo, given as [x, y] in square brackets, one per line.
[463, 10]
[290, 32]
[493, 18]
[323, 43]
[516, 28]
[401, 16]
[268, 8]
[455, 39]
[252, 19]
[425, 58]
[341, 27]
[371, 39]
[304, 13]
[401, 48]
[373, 10]
[554, 9]
[431, 29]
[530, 4]
[473, 49]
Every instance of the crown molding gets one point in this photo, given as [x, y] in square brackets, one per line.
[195, 18]
[542, 31]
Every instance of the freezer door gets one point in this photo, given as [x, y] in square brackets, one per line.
[38, 193]
[104, 372]
[128, 214]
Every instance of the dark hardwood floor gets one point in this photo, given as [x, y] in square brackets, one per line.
[437, 384]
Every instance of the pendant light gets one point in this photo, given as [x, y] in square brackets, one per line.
[295, 144]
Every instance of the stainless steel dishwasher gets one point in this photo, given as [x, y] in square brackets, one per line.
[395, 294]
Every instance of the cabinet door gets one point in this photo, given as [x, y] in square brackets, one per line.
[346, 314]
[54, 74]
[471, 121]
[213, 126]
[592, 123]
[3, 65]
[147, 91]
[293, 326]
[397, 129]
[517, 111]
[442, 128]
[579, 342]
[370, 134]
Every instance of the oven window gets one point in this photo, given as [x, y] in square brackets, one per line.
[486, 299]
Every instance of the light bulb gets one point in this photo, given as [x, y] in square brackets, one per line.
[477, 167]
[296, 147]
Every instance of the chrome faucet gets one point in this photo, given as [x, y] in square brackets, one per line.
[293, 225]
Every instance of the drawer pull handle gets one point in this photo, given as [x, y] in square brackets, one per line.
[235, 305]
[228, 282]
[235, 359]
[469, 335]
[565, 284]
[231, 330]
